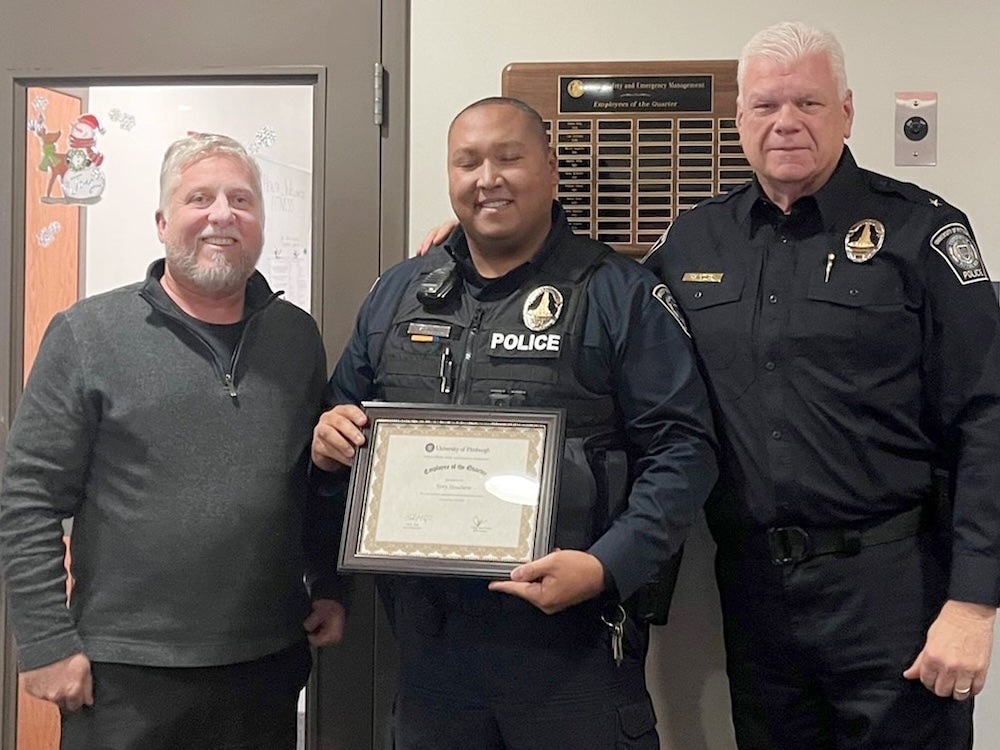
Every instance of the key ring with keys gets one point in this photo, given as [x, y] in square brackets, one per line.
[617, 626]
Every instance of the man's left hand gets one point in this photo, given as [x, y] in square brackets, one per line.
[557, 581]
[325, 624]
[956, 655]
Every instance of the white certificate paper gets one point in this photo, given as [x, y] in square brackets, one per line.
[457, 490]
[428, 491]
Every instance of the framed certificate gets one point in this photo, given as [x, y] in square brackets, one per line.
[452, 490]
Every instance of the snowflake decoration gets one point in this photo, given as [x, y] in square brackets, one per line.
[37, 125]
[262, 139]
[124, 119]
[47, 235]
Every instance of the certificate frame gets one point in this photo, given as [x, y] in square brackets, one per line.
[415, 504]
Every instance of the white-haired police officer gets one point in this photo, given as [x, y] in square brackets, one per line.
[851, 341]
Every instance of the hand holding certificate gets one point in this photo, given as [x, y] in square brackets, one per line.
[446, 490]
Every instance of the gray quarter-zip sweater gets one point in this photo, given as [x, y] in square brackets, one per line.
[185, 476]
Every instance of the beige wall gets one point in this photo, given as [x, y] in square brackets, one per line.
[459, 48]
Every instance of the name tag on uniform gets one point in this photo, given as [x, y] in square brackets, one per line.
[428, 332]
[429, 329]
[702, 278]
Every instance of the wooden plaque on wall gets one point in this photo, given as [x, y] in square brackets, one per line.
[636, 143]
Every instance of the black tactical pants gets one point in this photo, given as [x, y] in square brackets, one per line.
[492, 672]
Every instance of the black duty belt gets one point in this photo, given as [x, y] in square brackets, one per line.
[786, 545]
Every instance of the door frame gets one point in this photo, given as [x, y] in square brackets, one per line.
[305, 75]
[354, 663]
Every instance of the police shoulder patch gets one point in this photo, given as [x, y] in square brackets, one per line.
[662, 294]
[954, 243]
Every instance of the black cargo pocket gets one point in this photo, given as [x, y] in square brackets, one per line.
[858, 319]
[720, 320]
[709, 310]
[636, 721]
[410, 369]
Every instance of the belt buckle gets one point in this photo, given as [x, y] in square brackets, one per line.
[788, 544]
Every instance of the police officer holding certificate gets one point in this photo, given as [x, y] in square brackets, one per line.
[514, 310]
[852, 344]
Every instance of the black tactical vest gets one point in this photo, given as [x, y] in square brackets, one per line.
[519, 350]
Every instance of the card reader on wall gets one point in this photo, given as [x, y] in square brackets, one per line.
[916, 128]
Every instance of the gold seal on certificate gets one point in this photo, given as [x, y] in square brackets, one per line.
[452, 490]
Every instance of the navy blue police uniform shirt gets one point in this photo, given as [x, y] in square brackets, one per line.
[634, 345]
[850, 347]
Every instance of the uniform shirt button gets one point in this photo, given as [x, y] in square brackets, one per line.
[769, 365]
[853, 292]
[697, 295]
[772, 298]
[776, 434]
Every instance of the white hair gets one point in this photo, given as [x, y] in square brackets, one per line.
[788, 42]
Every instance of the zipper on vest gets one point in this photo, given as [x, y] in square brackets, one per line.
[463, 371]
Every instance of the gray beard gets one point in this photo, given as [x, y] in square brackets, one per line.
[222, 276]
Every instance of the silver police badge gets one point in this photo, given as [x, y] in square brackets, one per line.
[864, 239]
[954, 243]
[542, 308]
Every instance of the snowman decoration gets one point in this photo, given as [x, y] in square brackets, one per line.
[84, 181]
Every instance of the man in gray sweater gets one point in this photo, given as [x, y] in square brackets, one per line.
[170, 419]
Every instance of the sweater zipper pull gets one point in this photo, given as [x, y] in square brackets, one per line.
[230, 385]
